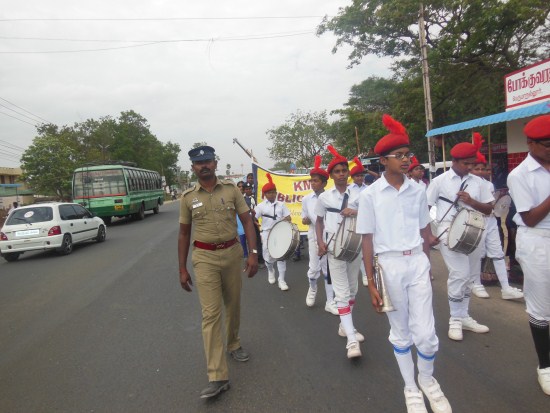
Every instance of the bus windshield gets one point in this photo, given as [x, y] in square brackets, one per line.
[92, 184]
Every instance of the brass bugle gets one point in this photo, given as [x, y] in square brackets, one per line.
[387, 305]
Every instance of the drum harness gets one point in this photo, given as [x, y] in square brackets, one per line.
[273, 217]
[454, 204]
[336, 210]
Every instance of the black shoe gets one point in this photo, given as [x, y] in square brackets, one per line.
[239, 354]
[214, 388]
[296, 258]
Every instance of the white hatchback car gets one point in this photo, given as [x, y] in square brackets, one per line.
[54, 225]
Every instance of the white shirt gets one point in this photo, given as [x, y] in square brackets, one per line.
[529, 185]
[394, 217]
[360, 188]
[332, 198]
[265, 210]
[308, 211]
[447, 185]
[420, 183]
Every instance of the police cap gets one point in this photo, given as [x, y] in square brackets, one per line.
[202, 153]
[247, 185]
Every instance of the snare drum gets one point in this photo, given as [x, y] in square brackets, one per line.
[283, 239]
[502, 206]
[466, 231]
[347, 244]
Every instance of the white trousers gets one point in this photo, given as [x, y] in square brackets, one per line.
[408, 285]
[317, 265]
[281, 265]
[344, 276]
[533, 254]
[463, 271]
[490, 241]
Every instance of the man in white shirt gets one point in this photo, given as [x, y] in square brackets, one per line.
[332, 206]
[358, 176]
[452, 190]
[271, 212]
[394, 220]
[416, 172]
[317, 265]
[529, 185]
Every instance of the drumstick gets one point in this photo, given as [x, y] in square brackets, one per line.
[454, 203]
[440, 235]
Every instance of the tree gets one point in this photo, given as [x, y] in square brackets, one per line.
[301, 137]
[472, 45]
[48, 164]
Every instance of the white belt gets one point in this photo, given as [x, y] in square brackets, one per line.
[401, 253]
[543, 232]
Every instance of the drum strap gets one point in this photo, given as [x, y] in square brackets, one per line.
[274, 216]
[446, 200]
[342, 207]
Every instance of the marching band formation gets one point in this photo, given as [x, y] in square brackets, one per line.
[383, 231]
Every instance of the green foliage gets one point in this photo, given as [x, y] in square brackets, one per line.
[49, 162]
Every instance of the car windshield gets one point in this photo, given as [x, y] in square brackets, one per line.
[30, 215]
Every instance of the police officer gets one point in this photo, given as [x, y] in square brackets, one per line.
[211, 206]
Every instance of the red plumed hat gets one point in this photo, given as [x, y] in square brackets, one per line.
[270, 186]
[397, 138]
[338, 159]
[478, 140]
[414, 163]
[464, 150]
[317, 170]
[358, 168]
[480, 158]
[538, 128]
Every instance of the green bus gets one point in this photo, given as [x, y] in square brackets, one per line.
[118, 190]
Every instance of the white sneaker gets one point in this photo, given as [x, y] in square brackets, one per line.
[544, 379]
[283, 285]
[353, 350]
[479, 291]
[468, 323]
[310, 297]
[438, 401]
[511, 293]
[455, 329]
[415, 401]
[271, 276]
[331, 307]
[342, 333]
[365, 280]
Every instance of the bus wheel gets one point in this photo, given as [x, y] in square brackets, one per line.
[156, 209]
[141, 214]
[107, 220]
[66, 245]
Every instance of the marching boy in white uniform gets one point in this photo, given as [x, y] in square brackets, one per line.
[317, 265]
[529, 186]
[395, 223]
[490, 243]
[332, 206]
[271, 212]
[457, 184]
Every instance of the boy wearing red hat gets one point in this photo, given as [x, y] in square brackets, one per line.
[358, 176]
[529, 186]
[271, 212]
[395, 223]
[416, 172]
[317, 265]
[455, 189]
[332, 206]
[490, 242]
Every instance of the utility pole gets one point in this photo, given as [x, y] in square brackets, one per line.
[248, 152]
[427, 93]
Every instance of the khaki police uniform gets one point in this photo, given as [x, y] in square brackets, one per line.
[218, 271]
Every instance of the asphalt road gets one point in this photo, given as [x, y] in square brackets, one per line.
[108, 329]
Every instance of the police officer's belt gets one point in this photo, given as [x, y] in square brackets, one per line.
[214, 247]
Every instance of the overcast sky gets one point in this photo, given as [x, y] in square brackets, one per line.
[206, 86]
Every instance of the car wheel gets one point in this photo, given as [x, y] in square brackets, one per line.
[101, 234]
[141, 214]
[11, 256]
[66, 245]
[156, 209]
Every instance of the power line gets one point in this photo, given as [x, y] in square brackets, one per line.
[221, 39]
[19, 107]
[21, 120]
[162, 18]
[19, 113]
[12, 145]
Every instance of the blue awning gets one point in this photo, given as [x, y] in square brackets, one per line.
[538, 109]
